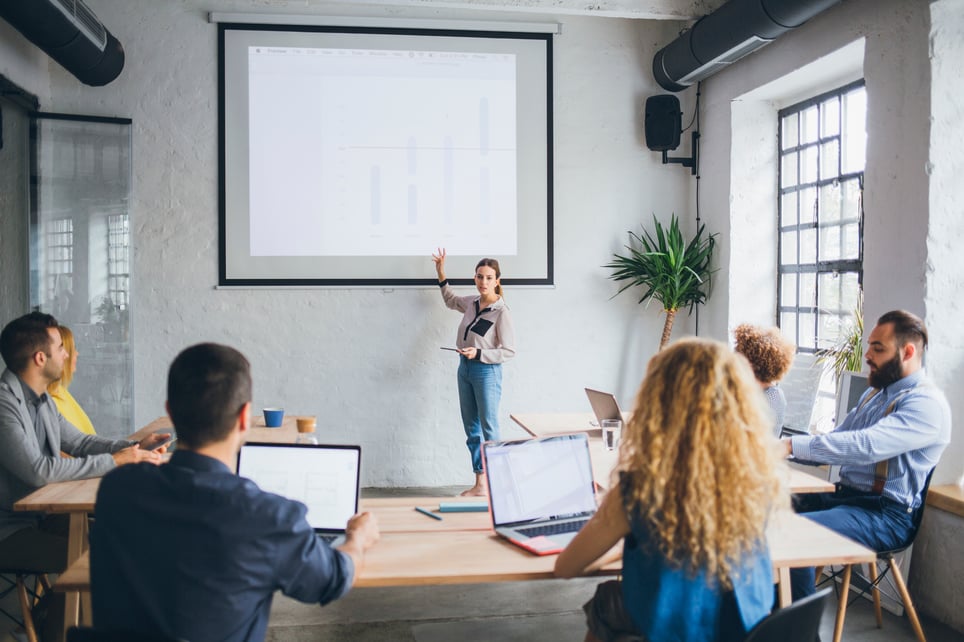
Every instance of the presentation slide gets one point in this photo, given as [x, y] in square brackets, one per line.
[391, 150]
[347, 158]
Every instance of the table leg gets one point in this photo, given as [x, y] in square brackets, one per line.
[785, 596]
[842, 604]
[76, 545]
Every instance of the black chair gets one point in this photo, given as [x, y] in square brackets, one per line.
[892, 559]
[28, 595]
[89, 634]
[798, 622]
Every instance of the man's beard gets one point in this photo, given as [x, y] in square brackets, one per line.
[886, 374]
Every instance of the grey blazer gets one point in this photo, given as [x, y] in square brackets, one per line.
[24, 467]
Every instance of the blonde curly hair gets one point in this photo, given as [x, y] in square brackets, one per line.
[698, 462]
[770, 353]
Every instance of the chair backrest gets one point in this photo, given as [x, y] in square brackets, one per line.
[798, 622]
[918, 517]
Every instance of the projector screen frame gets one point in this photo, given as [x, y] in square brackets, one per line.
[457, 265]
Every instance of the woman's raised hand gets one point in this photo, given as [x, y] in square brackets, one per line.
[440, 263]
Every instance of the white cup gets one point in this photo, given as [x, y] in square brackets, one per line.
[610, 433]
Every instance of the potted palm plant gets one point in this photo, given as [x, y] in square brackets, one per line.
[674, 272]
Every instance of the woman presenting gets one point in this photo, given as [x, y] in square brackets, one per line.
[485, 340]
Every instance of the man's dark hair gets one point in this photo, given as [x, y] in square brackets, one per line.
[908, 327]
[207, 385]
[24, 337]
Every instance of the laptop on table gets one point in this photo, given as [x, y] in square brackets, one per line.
[324, 478]
[541, 490]
[604, 405]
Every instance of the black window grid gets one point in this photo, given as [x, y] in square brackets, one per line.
[118, 260]
[805, 313]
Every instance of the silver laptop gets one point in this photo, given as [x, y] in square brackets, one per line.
[604, 405]
[326, 479]
[541, 490]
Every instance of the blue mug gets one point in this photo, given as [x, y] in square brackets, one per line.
[273, 417]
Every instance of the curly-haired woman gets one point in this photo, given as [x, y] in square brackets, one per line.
[697, 477]
[770, 355]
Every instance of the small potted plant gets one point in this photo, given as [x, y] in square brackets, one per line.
[674, 272]
[846, 354]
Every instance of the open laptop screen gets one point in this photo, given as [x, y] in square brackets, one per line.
[539, 479]
[323, 478]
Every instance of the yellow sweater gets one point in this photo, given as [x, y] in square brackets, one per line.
[72, 411]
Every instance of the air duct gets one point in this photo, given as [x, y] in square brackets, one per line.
[70, 33]
[726, 35]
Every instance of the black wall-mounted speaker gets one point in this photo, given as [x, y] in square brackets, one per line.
[663, 122]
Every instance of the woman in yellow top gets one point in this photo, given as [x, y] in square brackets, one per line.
[65, 401]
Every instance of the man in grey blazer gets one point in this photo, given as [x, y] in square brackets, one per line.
[32, 435]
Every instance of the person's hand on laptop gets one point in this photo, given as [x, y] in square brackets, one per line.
[361, 533]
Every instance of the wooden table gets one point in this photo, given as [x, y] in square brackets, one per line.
[417, 550]
[286, 433]
[603, 461]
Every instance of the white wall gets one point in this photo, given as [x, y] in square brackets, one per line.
[366, 361]
[939, 551]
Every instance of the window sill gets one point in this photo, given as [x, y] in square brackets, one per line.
[947, 497]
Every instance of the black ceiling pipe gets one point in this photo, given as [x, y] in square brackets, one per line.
[70, 33]
[726, 35]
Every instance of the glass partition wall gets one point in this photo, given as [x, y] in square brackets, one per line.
[79, 254]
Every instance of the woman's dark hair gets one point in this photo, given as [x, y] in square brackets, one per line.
[492, 263]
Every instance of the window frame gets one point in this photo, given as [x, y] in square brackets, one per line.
[812, 341]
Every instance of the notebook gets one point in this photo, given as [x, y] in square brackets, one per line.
[541, 490]
[326, 479]
[604, 405]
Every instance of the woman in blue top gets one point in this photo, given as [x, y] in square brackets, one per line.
[696, 479]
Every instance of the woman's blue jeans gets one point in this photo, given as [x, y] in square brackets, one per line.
[480, 389]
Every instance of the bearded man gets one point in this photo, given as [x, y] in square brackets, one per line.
[886, 447]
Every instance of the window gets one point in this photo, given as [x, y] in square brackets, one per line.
[118, 260]
[60, 259]
[822, 146]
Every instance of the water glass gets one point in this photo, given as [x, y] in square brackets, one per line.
[610, 433]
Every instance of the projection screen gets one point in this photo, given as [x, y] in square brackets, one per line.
[348, 155]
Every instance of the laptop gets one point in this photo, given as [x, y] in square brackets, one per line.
[541, 490]
[324, 478]
[604, 405]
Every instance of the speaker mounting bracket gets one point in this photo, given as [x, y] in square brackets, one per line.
[686, 161]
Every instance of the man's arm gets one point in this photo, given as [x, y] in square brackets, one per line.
[21, 458]
[917, 422]
[308, 569]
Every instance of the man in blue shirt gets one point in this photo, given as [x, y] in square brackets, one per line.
[885, 447]
[192, 551]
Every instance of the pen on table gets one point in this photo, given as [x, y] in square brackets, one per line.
[429, 513]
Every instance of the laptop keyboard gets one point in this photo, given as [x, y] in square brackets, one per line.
[553, 529]
[328, 539]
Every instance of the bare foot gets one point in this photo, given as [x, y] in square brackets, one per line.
[475, 491]
[479, 490]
